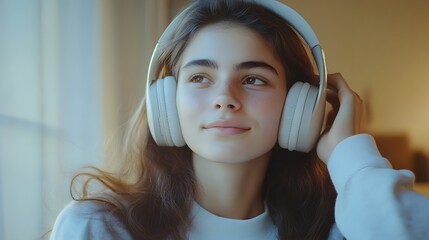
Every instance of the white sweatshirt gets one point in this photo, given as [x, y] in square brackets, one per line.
[374, 202]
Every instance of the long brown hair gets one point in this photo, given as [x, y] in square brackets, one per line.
[155, 188]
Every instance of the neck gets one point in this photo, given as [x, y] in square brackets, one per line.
[231, 190]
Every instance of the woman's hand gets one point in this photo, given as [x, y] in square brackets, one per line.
[344, 119]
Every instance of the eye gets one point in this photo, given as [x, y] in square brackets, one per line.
[253, 80]
[198, 78]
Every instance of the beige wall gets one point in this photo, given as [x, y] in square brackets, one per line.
[381, 47]
[130, 30]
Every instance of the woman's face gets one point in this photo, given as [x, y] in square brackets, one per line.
[230, 94]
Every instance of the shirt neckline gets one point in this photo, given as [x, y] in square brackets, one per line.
[206, 225]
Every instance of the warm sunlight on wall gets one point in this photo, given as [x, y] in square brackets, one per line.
[381, 49]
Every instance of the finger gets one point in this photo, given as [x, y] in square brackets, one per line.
[350, 104]
[336, 81]
[330, 119]
[359, 110]
[332, 99]
[347, 98]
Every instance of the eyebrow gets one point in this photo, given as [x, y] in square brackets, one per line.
[256, 64]
[201, 63]
[243, 65]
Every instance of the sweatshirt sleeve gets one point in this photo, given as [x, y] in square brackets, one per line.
[87, 220]
[375, 201]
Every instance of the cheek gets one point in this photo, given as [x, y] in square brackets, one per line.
[184, 100]
[188, 106]
[269, 113]
[182, 105]
[270, 108]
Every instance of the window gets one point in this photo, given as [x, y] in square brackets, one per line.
[50, 108]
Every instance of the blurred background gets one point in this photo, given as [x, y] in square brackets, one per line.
[73, 71]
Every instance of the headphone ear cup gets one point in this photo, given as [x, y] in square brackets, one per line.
[163, 118]
[296, 121]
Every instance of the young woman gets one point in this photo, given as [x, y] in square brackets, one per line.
[234, 63]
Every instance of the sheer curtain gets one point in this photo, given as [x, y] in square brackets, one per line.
[71, 72]
[49, 108]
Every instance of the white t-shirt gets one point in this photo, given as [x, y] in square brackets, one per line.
[373, 202]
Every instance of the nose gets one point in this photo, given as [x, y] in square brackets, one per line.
[227, 99]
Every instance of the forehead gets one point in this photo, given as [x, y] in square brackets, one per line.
[228, 42]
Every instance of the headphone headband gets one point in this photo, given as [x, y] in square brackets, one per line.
[285, 12]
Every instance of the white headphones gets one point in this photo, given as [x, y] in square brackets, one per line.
[303, 111]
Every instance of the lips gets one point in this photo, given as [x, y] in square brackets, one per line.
[226, 127]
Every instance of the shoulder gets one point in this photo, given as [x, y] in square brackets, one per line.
[87, 220]
[335, 234]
